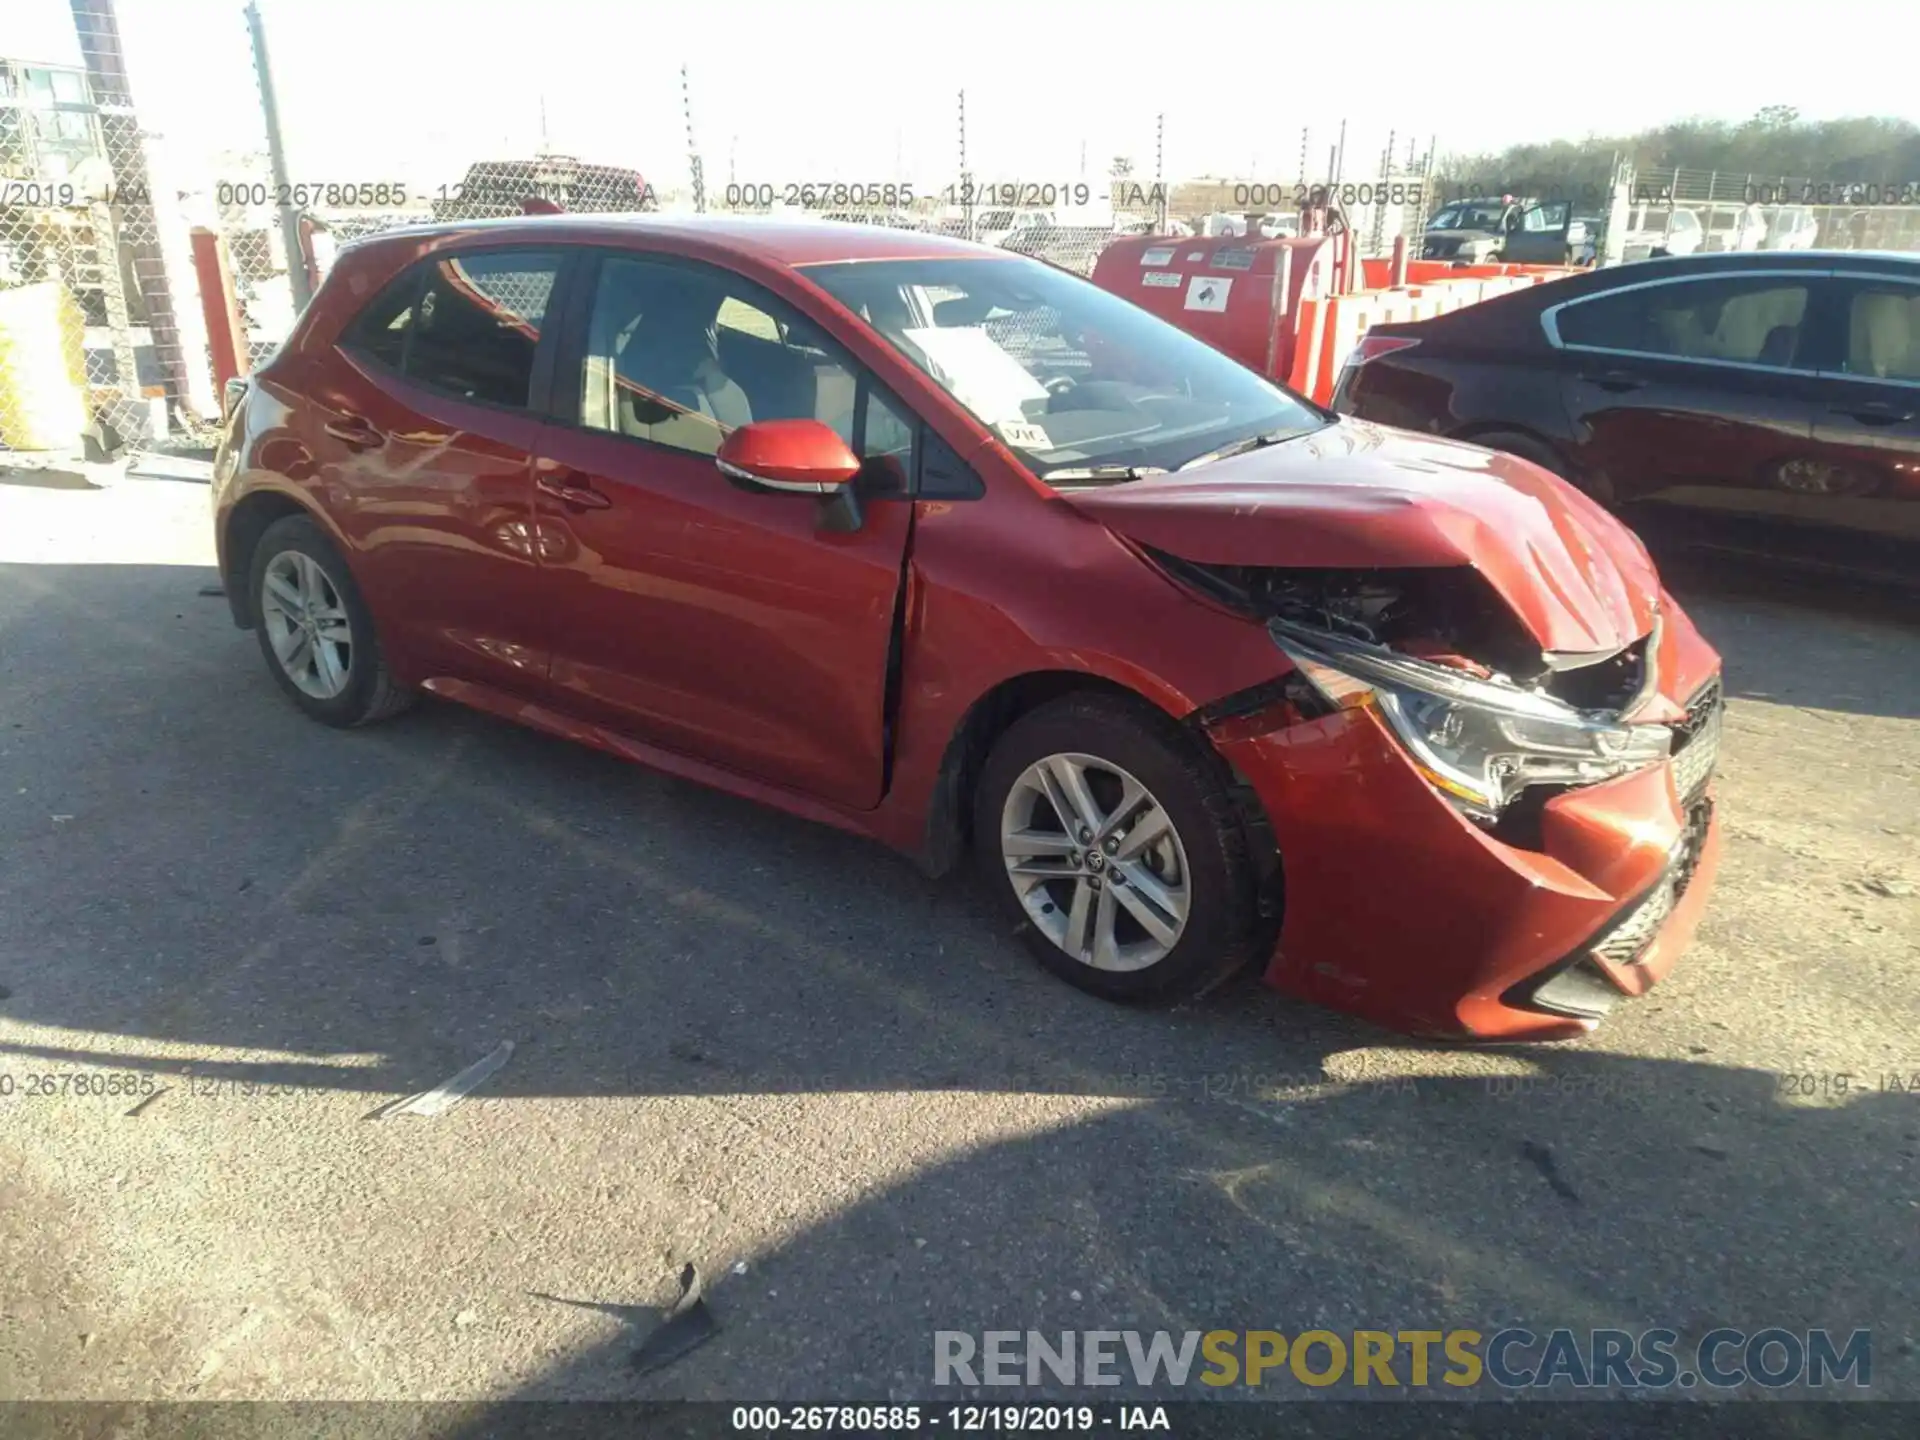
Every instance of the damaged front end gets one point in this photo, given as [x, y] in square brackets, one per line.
[1544, 857]
[1482, 713]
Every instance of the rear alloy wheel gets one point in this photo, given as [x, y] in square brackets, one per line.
[1110, 837]
[307, 625]
[315, 630]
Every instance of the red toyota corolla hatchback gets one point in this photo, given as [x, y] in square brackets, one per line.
[948, 547]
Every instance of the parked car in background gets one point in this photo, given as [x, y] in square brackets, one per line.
[1654, 233]
[1524, 232]
[1766, 402]
[1468, 230]
[1790, 227]
[1682, 234]
[1744, 228]
[996, 227]
[941, 545]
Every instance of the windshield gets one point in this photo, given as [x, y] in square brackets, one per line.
[1469, 217]
[1069, 376]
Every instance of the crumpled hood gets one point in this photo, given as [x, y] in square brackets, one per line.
[1358, 494]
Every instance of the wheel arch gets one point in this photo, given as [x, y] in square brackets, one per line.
[245, 523]
[1471, 433]
[950, 808]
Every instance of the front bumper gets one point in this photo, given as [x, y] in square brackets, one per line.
[1399, 908]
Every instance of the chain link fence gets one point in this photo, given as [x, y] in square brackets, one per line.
[94, 327]
[102, 327]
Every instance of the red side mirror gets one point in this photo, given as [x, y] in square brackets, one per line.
[804, 457]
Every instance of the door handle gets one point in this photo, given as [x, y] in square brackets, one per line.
[578, 493]
[1874, 412]
[1616, 380]
[354, 433]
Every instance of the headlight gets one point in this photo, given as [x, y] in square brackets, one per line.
[1479, 742]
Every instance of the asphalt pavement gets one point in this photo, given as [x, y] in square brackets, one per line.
[837, 1088]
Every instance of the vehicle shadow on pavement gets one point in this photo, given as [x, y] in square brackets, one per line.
[1603, 1191]
[202, 880]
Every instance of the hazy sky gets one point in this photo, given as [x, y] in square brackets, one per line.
[412, 90]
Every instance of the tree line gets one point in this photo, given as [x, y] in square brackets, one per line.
[1774, 144]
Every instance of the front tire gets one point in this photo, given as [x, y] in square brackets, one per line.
[1110, 838]
[316, 632]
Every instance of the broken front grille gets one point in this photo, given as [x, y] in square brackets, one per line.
[1627, 941]
[1696, 742]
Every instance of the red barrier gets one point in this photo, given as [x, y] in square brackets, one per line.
[226, 336]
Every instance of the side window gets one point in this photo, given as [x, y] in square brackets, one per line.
[380, 330]
[1753, 321]
[886, 445]
[681, 356]
[1551, 216]
[1883, 333]
[473, 330]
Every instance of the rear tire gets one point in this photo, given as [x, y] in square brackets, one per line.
[1184, 915]
[316, 632]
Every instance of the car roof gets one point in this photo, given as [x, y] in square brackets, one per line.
[1734, 261]
[772, 240]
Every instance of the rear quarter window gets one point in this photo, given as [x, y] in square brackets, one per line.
[466, 325]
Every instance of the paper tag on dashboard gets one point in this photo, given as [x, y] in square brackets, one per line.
[1026, 435]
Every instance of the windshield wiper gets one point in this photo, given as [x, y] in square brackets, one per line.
[1104, 472]
[1241, 447]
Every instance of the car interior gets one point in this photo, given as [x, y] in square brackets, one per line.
[1883, 335]
[472, 331]
[1756, 327]
[679, 361]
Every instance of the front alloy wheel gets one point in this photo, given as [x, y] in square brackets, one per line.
[1096, 862]
[307, 625]
[1109, 836]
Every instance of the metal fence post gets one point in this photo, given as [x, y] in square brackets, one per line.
[277, 157]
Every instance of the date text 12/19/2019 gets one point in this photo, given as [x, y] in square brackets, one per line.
[957, 1419]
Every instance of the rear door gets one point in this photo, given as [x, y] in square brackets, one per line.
[1691, 391]
[1865, 475]
[424, 431]
[686, 610]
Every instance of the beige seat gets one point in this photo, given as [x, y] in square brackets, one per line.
[1881, 339]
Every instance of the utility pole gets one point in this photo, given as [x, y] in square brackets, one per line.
[693, 151]
[277, 157]
[966, 177]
